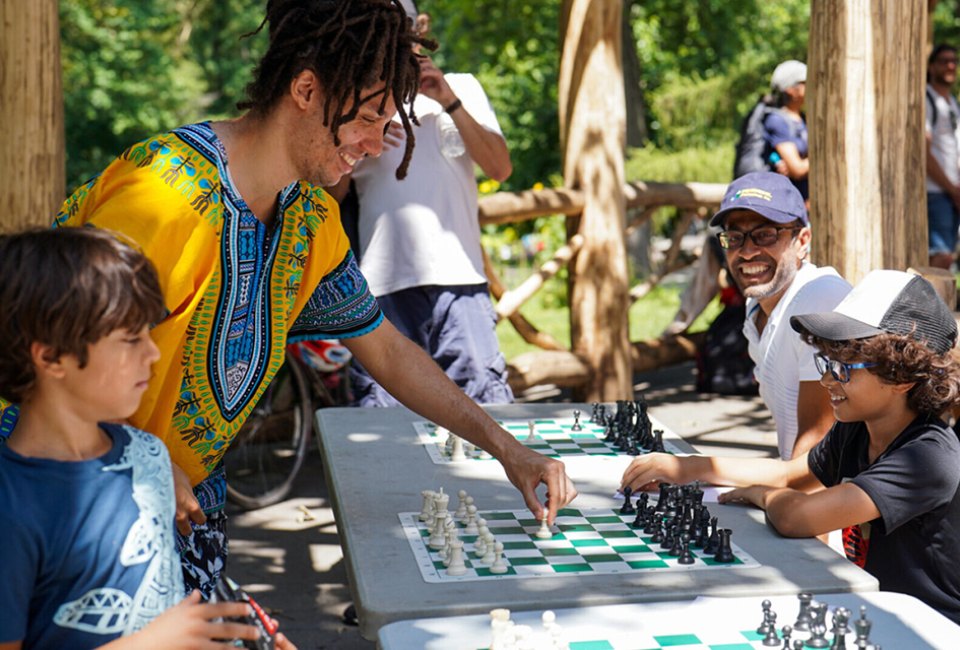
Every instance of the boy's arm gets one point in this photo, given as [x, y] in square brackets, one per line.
[648, 469]
[796, 514]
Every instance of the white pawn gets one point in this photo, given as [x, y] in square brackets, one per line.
[456, 450]
[426, 512]
[457, 566]
[498, 566]
[544, 532]
[532, 436]
[480, 546]
[483, 454]
[462, 505]
[469, 449]
[471, 522]
[489, 544]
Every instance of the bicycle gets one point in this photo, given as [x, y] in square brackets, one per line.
[266, 455]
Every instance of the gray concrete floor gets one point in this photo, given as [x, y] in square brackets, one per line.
[288, 556]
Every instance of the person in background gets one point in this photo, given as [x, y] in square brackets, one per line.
[785, 129]
[943, 167]
[419, 237]
[766, 240]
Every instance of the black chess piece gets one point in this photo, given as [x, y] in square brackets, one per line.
[724, 551]
[640, 520]
[804, 618]
[840, 617]
[713, 541]
[818, 626]
[764, 626]
[786, 631]
[627, 507]
[658, 441]
[686, 557]
[658, 525]
[862, 625]
[771, 640]
[576, 421]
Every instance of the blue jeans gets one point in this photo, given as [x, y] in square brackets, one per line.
[456, 325]
[942, 222]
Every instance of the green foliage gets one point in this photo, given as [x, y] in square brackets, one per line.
[512, 49]
[132, 69]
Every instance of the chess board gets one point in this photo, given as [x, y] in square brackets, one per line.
[554, 438]
[716, 639]
[585, 542]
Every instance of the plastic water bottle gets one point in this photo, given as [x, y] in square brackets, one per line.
[774, 158]
[451, 144]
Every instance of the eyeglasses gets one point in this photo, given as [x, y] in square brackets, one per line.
[761, 236]
[839, 369]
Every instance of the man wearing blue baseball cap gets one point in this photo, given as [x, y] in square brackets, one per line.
[766, 239]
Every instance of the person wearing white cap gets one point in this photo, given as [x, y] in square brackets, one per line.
[888, 472]
[785, 130]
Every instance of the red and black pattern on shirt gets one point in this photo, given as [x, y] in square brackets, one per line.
[856, 544]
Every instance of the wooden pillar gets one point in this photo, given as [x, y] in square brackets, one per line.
[592, 127]
[31, 114]
[867, 154]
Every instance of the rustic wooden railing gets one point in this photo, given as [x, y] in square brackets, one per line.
[553, 363]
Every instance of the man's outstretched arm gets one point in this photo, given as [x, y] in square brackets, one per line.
[411, 376]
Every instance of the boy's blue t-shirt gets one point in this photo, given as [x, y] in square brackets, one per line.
[88, 553]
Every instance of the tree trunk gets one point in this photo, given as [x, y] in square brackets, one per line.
[867, 151]
[636, 109]
[31, 114]
[592, 126]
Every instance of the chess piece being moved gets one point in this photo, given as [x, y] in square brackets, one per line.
[544, 532]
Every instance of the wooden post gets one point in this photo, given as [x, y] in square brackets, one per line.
[865, 114]
[592, 128]
[31, 114]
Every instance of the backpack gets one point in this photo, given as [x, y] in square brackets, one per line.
[723, 364]
[752, 149]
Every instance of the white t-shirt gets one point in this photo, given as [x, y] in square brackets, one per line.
[423, 230]
[782, 359]
[943, 136]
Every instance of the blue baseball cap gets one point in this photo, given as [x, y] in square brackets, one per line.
[769, 194]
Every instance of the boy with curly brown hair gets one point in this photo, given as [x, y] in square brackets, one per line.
[888, 471]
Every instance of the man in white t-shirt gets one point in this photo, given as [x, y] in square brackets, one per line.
[419, 238]
[943, 169]
[766, 239]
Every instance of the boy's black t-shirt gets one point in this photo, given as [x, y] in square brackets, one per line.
[914, 546]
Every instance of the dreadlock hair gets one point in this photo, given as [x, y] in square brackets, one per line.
[351, 45]
[901, 359]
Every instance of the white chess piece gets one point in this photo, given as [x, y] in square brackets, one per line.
[471, 522]
[456, 450]
[544, 532]
[489, 544]
[532, 436]
[442, 501]
[438, 535]
[480, 546]
[499, 623]
[457, 566]
[426, 512]
[499, 565]
[462, 505]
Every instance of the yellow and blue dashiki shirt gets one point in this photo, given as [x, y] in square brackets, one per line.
[236, 291]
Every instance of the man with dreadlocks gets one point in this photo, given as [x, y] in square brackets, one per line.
[251, 254]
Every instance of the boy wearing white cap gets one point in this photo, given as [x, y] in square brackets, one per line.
[888, 471]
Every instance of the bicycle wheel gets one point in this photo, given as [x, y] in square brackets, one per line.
[267, 453]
